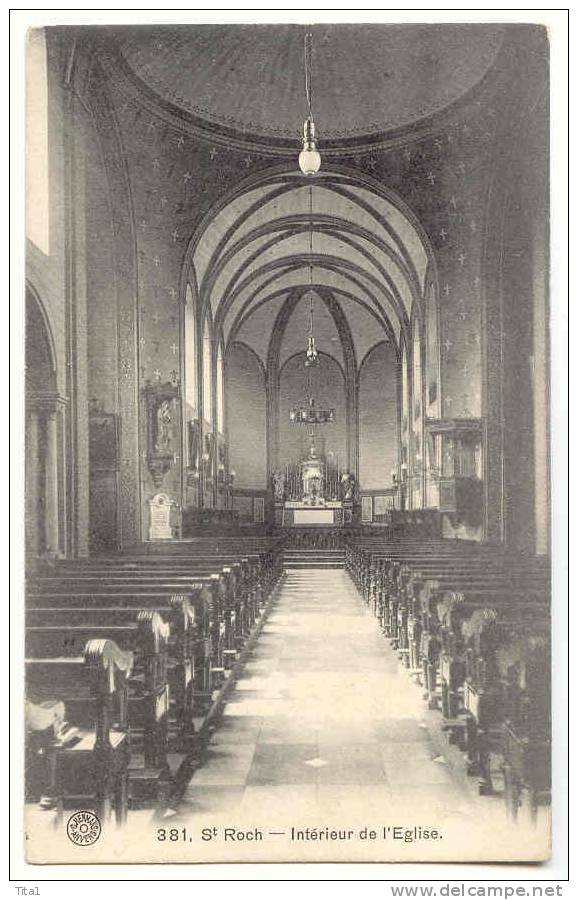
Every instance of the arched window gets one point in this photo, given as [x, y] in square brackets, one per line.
[417, 416]
[190, 355]
[404, 391]
[405, 424]
[432, 354]
[207, 372]
[220, 391]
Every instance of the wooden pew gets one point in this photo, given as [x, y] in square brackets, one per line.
[489, 698]
[526, 730]
[211, 614]
[146, 637]
[445, 605]
[89, 768]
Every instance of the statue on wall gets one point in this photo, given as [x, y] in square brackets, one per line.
[159, 402]
[193, 441]
[164, 426]
[348, 487]
[278, 485]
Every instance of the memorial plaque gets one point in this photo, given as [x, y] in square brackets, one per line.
[160, 527]
[259, 509]
[382, 503]
[366, 509]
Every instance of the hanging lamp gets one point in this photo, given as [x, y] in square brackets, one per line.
[311, 355]
[309, 158]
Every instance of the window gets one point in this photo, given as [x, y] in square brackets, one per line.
[417, 370]
[207, 372]
[190, 354]
[220, 391]
[432, 349]
[417, 385]
[404, 389]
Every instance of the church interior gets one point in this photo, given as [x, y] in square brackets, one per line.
[287, 439]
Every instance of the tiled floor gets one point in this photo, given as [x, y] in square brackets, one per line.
[323, 722]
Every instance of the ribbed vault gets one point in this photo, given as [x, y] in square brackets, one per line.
[350, 245]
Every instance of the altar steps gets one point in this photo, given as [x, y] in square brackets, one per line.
[314, 559]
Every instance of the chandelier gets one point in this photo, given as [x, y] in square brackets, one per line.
[308, 414]
[309, 158]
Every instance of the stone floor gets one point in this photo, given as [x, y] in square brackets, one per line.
[323, 723]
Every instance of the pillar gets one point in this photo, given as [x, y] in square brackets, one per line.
[540, 364]
[52, 541]
[32, 484]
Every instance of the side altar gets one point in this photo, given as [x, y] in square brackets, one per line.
[313, 491]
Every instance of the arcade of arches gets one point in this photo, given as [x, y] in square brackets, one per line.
[185, 262]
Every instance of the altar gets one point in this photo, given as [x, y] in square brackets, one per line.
[297, 514]
[313, 492]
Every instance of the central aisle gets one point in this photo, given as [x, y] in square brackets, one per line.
[323, 724]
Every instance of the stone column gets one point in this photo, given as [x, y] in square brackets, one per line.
[52, 541]
[540, 372]
[32, 483]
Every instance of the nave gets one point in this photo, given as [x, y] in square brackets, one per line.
[393, 682]
[325, 729]
[329, 723]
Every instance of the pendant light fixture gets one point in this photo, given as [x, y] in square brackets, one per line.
[309, 158]
[311, 356]
[307, 413]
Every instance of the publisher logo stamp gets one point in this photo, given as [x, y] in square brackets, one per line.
[83, 828]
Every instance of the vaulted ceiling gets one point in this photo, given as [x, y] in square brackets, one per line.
[367, 79]
[351, 250]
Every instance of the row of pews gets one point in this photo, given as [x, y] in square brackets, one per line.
[127, 659]
[472, 624]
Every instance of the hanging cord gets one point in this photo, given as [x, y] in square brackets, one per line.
[308, 39]
[311, 239]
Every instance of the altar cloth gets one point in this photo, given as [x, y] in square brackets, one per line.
[313, 516]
